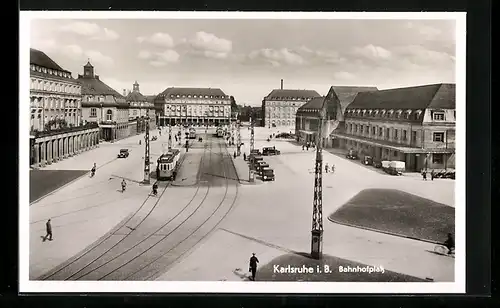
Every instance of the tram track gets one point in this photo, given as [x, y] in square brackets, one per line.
[151, 235]
[105, 237]
[145, 265]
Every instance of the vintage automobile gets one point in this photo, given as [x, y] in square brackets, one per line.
[255, 152]
[377, 163]
[123, 153]
[270, 151]
[395, 167]
[352, 154]
[260, 165]
[368, 160]
[267, 174]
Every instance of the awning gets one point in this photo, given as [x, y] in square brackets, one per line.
[392, 146]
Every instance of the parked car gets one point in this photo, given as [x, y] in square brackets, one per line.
[368, 160]
[255, 152]
[267, 174]
[377, 163]
[123, 153]
[352, 154]
[260, 165]
[396, 167]
[270, 151]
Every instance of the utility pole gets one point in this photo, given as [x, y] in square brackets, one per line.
[250, 167]
[317, 217]
[238, 151]
[147, 174]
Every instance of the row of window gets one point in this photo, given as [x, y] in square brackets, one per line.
[199, 96]
[286, 100]
[383, 113]
[280, 122]
[54, 103]
[52, 86]
[193, 102]
[372, 131]
[282, 109]
[279, 116]
[194, 108]
[49, 71]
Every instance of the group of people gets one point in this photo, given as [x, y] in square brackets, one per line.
[424, 174]
[308, 145]
[328, 168]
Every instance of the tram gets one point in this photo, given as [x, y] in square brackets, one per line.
[192, 133]
[167, 165]
[220, 132]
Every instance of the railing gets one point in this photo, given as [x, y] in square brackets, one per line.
[52, 132]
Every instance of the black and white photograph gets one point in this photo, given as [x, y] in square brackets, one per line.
[242, 152]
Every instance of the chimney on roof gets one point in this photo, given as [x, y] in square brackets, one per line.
[281, 84]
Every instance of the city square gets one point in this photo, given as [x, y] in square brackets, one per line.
[333, 183]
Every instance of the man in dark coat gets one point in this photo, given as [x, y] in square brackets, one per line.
[253, 265]
[48, 227]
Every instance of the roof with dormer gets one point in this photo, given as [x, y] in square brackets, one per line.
[94, 86]
[440, 96]
[48, 68]
[291, 94]
[184, 92]
[135, 96]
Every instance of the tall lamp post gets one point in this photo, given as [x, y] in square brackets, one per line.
[317, 217]
[147, 171]
[252, 140]
[238, 146]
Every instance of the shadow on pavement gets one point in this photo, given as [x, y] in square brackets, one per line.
[43, 182]
[328, 269]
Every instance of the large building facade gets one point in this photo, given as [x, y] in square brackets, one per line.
[56, 127]
[337, 100]
[279, 107]
[103, 105]
[140, 110]
[415, 125]
[194, 106]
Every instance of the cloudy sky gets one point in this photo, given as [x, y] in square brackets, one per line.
[247, 58]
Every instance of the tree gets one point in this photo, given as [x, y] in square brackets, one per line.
[234, 106]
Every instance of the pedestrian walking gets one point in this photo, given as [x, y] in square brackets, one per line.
[432, 175]
[333, 168]
[424, 175]
[326, 168]
[253, 265]
[48, 227]
[234, 154]
[245, 156]
[303, 147]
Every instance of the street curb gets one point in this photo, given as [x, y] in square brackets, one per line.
[76, 179]
[384, 232]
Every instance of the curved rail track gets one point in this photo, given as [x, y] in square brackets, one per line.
[153, 245]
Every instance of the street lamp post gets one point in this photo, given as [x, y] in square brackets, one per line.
[238, 146]
[317, 218]
[250, 166]
[147, 174]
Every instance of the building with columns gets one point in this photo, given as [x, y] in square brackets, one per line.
[415, 125]
[338, 98]
[140, 108]
[194, 106]
[280, 107]
[103, 105]
[57, 130]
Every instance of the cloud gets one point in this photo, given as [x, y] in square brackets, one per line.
[276, 57]
[159, 59]
[147, 87]
[208, 45]
[75, 52]
[344, 76]
[158, 39]
[421, 56]
[90, 30]
[425, 30]
[322, 56]
[372, 52]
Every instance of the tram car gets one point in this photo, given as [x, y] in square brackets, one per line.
[192, 133]
[167, 165]
[220, 132]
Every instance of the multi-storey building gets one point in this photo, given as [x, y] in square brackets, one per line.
[415, 125]
[280, 107]
[140, 110]
[57, 130]
[198, 106]
[338, 98]
[103, 105]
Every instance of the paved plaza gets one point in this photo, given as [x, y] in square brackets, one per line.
[206, 224]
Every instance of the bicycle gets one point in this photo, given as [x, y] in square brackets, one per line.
[443, 250]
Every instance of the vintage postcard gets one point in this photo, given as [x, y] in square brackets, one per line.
[242, 152]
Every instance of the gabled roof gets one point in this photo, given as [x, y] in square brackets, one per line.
[421, 97]
[192, 91]
[39, 58]
[94, 86]
[135, 97]
[150, 98]
[314, 104]
[286, 94]
[346, 94]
